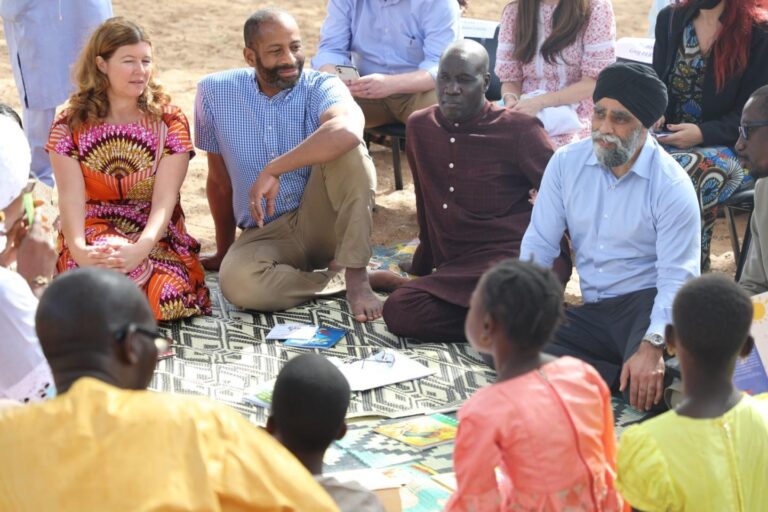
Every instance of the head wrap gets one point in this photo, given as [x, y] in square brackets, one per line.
[635, 86]
[14, 160]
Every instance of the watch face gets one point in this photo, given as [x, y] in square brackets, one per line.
[656, 340]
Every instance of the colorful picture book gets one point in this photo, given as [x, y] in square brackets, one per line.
[420, 492]
[261, 394]
[325, 337]
[292, 331]
[750, 374]
[422, 431]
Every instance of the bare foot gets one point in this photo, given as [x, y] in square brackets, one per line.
[386, 280]
[365, 304]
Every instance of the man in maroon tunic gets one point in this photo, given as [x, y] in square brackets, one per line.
[473, 166]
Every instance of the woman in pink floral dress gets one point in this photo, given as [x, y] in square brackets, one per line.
[556, 49]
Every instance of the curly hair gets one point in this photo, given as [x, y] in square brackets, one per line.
[712, 316]
[90, 102]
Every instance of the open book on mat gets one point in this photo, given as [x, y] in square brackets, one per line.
[750, 374]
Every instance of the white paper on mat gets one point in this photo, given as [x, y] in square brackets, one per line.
[292, 331]
[369, 374]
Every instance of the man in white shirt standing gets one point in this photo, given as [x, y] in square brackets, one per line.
[44, 39]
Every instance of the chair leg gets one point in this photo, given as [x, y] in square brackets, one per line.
[744, 249]
[734, 234]
[396, 163]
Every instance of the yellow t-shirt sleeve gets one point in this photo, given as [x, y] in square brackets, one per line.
[643, 474]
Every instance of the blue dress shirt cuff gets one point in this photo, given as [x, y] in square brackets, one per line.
[337, 59]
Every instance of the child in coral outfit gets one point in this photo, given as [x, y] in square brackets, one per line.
[547, 424]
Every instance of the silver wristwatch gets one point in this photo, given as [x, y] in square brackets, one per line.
[656, 340]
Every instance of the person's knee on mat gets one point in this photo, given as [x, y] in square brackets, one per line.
[395, 315]
[248, 291]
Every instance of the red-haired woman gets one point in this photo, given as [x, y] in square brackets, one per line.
[712, 54]
[550, 53]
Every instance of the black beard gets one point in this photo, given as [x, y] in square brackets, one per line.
[272, 77]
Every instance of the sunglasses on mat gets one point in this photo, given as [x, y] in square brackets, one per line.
[746, 127]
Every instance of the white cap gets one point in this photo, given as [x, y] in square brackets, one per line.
[15, 160]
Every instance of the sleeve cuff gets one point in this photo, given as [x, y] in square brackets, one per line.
[655, 328]
[430, 67]
[337, 59]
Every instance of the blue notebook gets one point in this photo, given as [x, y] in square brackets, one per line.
[326, 337]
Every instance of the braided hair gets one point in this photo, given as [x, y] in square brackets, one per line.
[526, 299]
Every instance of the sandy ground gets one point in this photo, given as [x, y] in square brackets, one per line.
[195, 37]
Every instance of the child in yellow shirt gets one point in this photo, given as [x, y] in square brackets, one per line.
[711, 452]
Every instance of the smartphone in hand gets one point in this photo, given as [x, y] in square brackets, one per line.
[347, 73]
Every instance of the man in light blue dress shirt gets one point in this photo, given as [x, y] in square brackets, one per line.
[634, 222]
[287, 165]
[395, 46]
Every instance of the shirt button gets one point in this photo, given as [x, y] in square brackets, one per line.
[599, 270]
[605, 216]
[453, 140]
[456, 125]
[451, 189]
[445, 206]
[450, 165]
[269, 127]
[601, 246]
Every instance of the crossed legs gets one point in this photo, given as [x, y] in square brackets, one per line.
[275, 267]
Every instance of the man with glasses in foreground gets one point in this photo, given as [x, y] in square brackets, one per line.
[106, 443]
[752, 148]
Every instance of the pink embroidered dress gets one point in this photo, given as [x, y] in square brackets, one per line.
[593, 50]
[547, 434]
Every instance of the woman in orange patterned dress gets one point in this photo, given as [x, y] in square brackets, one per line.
[120, 153]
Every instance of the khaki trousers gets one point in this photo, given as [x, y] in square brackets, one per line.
[273, 268]
[395, 108]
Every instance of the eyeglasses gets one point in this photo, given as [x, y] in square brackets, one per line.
[162, 343]
[745, 127]
[385, 357]
[382, 357]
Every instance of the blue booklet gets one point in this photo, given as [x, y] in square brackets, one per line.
[326, 337]
[750, 375]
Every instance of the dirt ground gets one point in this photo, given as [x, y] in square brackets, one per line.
[195, 37]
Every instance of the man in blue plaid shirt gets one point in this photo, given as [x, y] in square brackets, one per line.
[287, 165]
